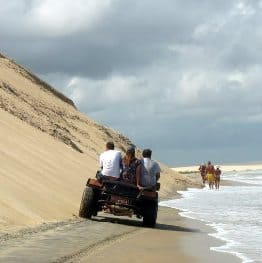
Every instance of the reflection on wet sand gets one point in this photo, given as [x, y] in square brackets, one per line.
[62, 242]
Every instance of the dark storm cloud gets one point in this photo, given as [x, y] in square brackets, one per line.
[130, 36]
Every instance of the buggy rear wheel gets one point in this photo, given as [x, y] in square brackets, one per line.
[87, 206]
[150, 214]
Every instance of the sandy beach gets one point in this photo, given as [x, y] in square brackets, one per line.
[175, 239]
[48, 149]
[115, 239]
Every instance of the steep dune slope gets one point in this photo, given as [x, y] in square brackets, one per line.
[47, 150]
[40, 177]
[35, 102]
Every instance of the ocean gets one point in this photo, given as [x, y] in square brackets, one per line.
[234, 212]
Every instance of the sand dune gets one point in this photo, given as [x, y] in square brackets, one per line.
[48, 149]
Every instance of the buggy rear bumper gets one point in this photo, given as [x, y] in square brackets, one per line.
[124, 189]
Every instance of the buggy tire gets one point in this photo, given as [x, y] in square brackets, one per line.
[150, 214]
[87, 206]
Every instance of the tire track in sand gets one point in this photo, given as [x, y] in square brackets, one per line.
[65, 241]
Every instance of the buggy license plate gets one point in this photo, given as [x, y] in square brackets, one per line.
[119, 200]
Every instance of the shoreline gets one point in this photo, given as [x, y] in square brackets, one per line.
[212, 241]
[201, 247]
[223, 167]
[174, 239]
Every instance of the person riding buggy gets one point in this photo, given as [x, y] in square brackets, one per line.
[122, 187]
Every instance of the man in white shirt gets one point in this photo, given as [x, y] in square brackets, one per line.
[111, 162]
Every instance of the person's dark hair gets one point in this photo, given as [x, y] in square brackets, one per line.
[147, 153]
[131, 151]
[110, 146]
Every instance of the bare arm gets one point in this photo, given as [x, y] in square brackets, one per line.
[138, 176]
[138, 172]
[157, 176]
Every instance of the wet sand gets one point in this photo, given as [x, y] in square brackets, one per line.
[175, 239]
[106, 238]
[112, 239]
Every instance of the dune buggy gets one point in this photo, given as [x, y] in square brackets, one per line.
[121, 199]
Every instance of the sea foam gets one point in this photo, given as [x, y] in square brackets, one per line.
[234, 212]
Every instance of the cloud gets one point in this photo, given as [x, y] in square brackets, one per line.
[195, 94]
[47, 18]
[99, 93]
[65, 17]
[172, 75]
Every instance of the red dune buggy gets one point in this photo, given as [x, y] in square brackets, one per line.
[121, 199]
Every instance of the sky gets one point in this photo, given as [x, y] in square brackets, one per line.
[180, 77]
